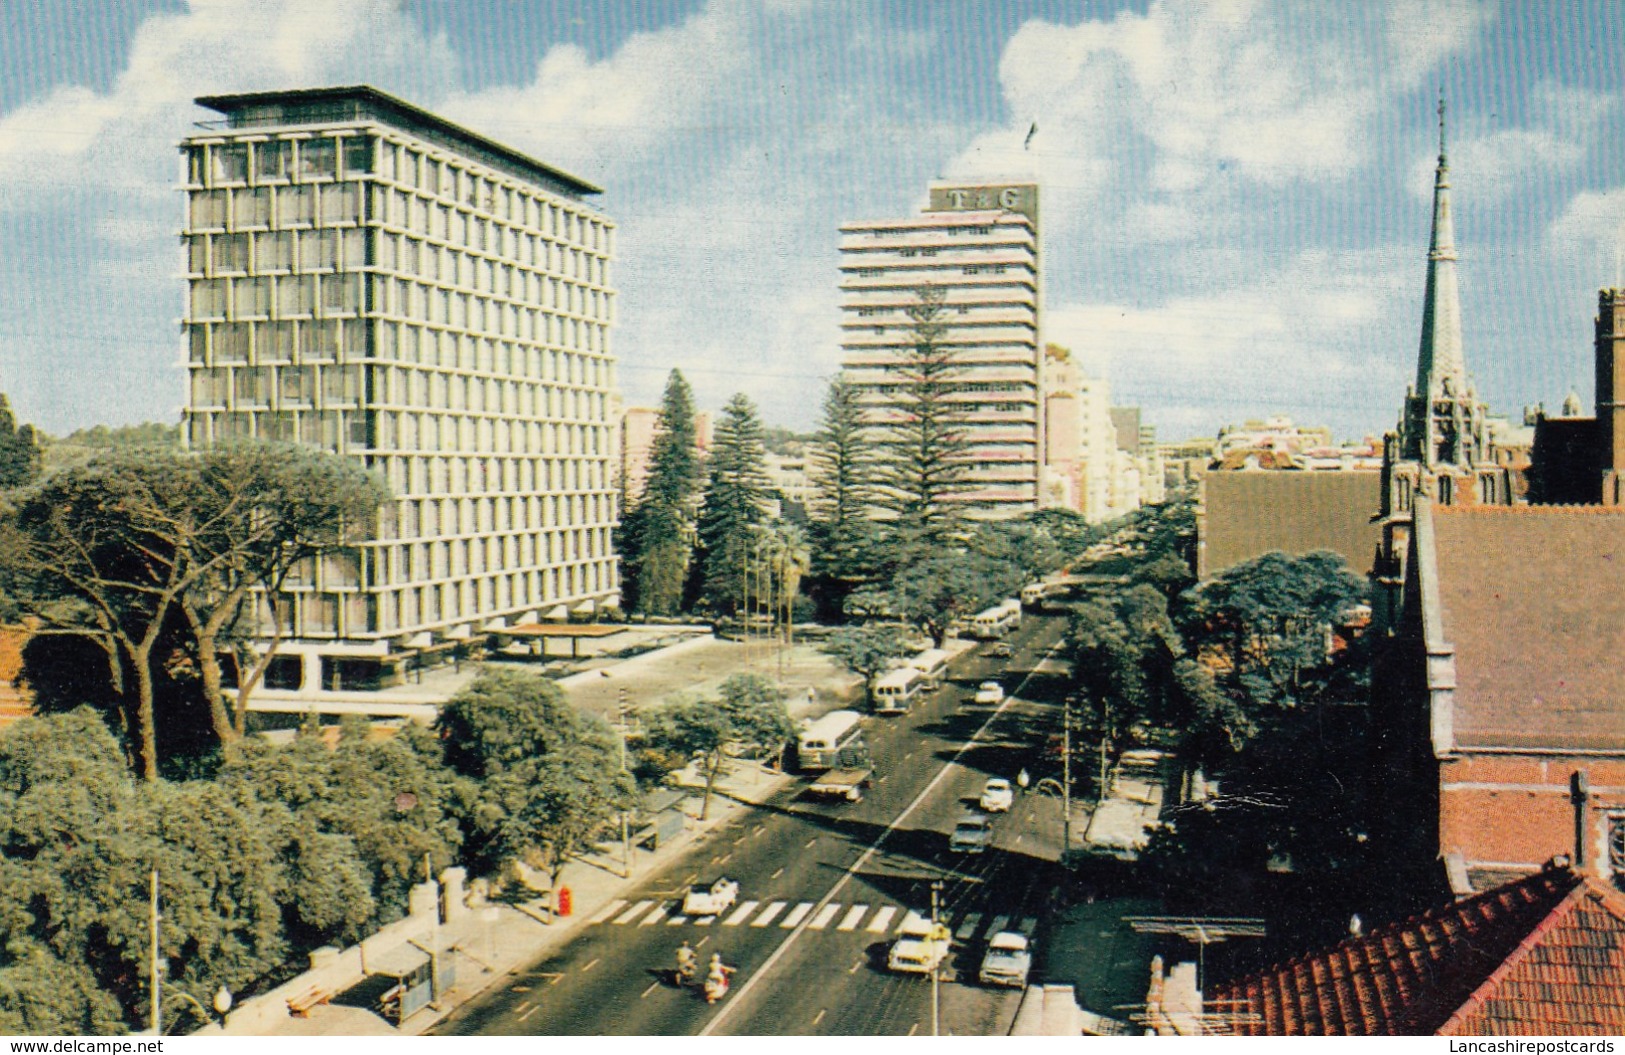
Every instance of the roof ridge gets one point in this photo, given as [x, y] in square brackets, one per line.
[1531, 509]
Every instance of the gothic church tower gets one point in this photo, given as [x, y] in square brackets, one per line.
[1442, 447]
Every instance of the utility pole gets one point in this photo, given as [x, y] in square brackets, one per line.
[1105, 735]
[157, 970]
[1066, 778]
[623, 713]
[936, 983]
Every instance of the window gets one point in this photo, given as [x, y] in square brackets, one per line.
[317, 159]
[251, 207]
[358, 154]
[231, 253]
[271, 160]
[231, 163]
[253, 296]
[296, 205]
[209, 209]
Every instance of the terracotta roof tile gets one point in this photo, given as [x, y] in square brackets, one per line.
[1543, 955]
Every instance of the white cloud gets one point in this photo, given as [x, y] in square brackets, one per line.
[1591, 228]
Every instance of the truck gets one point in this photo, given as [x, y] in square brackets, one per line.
[845, 783]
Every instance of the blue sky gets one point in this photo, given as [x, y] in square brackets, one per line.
[1235, 191]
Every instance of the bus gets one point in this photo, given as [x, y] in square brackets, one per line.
[933, 665]
[1012, 609]
[1032, 595]
[894, 691]
[995, 622]
[833, 741]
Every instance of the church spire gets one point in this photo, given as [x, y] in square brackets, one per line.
[1441, 368]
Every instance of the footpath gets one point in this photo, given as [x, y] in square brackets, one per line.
[486, 944]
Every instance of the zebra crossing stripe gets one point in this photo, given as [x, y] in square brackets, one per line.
[657, 915]
[1028, 925]
[998, 924]
[882, 920]
[740, 913]
[853, 915]
[608, 910]
[825, 914]
[796, 915]
[703, 921]
[768, 914]
[634, 912]
[967, 928]
[677, 921]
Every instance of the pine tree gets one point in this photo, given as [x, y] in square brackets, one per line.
[19, 449]
[844, 469]
[735, 499]
[926, 451]
[657, 536]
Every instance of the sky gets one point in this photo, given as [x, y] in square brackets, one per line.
[1235, 193]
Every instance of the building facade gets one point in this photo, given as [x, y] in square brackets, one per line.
[368, 278]
[980, 245]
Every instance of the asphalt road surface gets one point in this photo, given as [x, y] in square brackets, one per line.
[823, 888]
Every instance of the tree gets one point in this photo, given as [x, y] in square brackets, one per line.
[270, 508]
[868, 650]
[1263, 628]
[750, 712]
[735, 499]
[549, 776]
[843, 467]
[1020, 543]
[933, 591]
[19, 449]
[658, 533]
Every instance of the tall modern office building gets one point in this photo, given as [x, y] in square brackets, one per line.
[978, 243]
[369, 278]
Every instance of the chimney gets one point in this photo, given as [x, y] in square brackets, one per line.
[1610, 355]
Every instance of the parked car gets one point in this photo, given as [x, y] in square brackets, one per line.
[1007, 961]
[711, 899]
[990, 693]
[921, 946]
[971, 835]
[997, 795]
[1000, 650]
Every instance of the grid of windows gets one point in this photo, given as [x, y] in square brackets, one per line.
[446, 322]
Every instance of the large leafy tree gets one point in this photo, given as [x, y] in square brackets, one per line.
[736, 497]
[844, 469]
[867, 650]
[549, 776]
[748, 712]
[657, 535]
[933, 591]
[19, 449]
[926, 450]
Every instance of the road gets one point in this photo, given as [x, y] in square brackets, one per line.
[823, 888]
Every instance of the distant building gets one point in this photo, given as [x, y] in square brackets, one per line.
[1242, 514]
[1580, 460]
[371, 279]
[980, 244]
[1080, 441]
[635, 441]
[1543, 955]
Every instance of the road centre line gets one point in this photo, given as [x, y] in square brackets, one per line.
[776, 875]
[821, 1013]
[652, 987]
[590, 966]
[863, 859]
[527, 1014]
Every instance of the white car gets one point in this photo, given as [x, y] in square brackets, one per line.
[920, 947]
[990, 693]
[971, 835]
[711, 899]
[1008, 960]
[997, 796]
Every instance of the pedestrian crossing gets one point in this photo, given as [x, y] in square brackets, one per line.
[787, 915]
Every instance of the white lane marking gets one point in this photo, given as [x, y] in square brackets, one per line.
[882, 920]
[853, 915]
[797, 914]
[776, 875]
[821, 1013]
[657, 915]
[863, 859]
[589, 966]
[998, 924]
[912, 1028]
[608, 910]
[740, 913]
[527, 1014]
[768, 914]
[825, 914]
[652, 987]
[704, 921]
[1028, 925]
[677, 921]
[967, 928]
[634, 912]
[808, 844]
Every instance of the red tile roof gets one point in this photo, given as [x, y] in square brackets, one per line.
[1542, 956]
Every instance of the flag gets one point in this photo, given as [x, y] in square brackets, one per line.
[1027, 144]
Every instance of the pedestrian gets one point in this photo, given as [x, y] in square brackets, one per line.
[812, 696]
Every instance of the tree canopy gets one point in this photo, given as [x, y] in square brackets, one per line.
[657, 534]
[736, 497]
[749, 711]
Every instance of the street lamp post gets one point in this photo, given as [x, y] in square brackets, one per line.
[623, 713]
[1066, 779]
[936, 983]
[222, 997]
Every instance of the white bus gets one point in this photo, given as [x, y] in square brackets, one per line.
[1012, 608]
[894, 691]
[1032, 595]
[833, 741]
[933, 665]
[995, 622]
